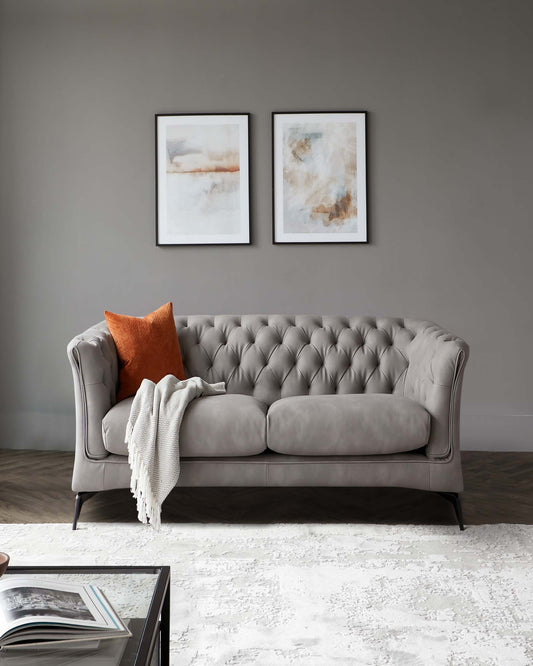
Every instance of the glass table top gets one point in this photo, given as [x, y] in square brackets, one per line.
[129, 590]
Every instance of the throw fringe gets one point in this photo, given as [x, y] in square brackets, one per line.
[148, 508]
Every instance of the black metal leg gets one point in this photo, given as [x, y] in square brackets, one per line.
[456, 501]
[80, 499]
[165, 629]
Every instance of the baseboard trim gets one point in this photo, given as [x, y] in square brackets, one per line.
[49, 431]
[497, 432]
[41, 431]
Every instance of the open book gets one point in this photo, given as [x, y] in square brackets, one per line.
[43, 613]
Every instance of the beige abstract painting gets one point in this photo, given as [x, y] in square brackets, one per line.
[320, 180]
[202, 179]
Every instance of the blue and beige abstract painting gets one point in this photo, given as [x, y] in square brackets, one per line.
[320, 188]
[201, 180]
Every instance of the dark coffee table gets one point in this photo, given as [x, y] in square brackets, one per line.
[140, 596]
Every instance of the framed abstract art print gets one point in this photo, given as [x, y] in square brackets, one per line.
[202, 179]
[319, 177]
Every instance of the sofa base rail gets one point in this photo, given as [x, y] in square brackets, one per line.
[453, 498]
[401, 470]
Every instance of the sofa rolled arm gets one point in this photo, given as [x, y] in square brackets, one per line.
[94, 363]
[434, 379]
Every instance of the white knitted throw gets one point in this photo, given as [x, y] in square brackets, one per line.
[152, 436]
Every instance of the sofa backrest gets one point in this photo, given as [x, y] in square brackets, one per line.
[276, 356]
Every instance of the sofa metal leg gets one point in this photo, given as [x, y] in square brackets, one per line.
[81, 498]
[456, 501]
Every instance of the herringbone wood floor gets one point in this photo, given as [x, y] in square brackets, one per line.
[35, 488]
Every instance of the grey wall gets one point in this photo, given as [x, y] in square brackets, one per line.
[450, 136]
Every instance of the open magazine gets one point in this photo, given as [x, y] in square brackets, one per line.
[43, 613]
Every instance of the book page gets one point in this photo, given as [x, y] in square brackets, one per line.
[27, 602]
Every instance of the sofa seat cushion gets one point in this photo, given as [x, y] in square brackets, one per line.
[354, 424]
[213, 426]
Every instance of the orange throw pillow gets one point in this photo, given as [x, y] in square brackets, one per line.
[147, 348]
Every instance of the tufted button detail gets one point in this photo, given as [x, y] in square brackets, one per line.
[310, 353]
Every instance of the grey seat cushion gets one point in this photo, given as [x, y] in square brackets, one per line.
[353, 424]
[218, 425]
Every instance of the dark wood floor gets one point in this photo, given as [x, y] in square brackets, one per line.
[35, 488]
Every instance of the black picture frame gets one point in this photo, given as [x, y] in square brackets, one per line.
[361, 120]
[245, 234]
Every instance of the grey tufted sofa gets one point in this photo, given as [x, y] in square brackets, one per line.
[311, 401]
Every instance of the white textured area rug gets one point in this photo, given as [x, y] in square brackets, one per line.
[321, 594]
